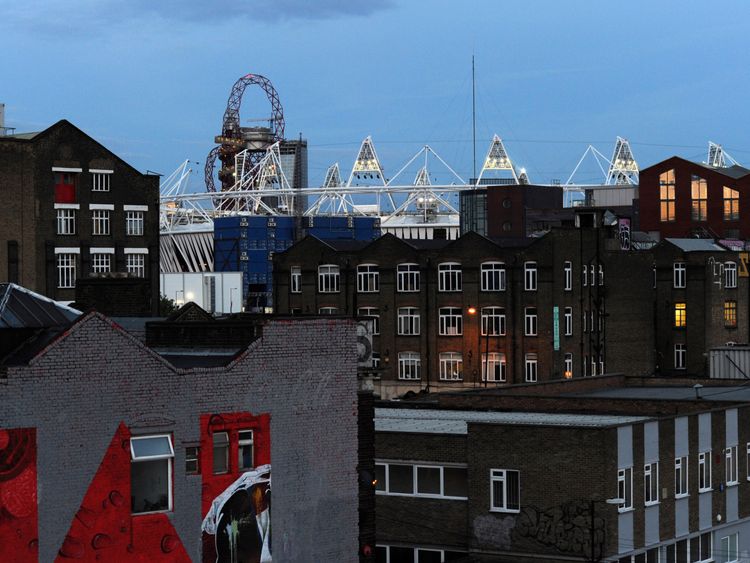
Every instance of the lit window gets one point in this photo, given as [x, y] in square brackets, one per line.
[493, 367]
[731, 204]
[730, 314]
[449, 277]
[136, 265]
[101, 262]
[568, 321]
[493, 321]
[679, 274]
[451, 366]
[407, 276]
[192, 460]
[667, 196]
[151, 473]
[328, 278]
[221, 453]
[680, 352]
[66, 221]
[493, 276]
[530, 368]
[729, 552]
[409, 364]
[530, 321]
[681, 476]
[450, 321]
[625, 488]
[699, 195]
[134, 223]
[568, 269]
[368, 278]
[374, 314]
[295, 279]
[100, 181]
[732, 474]
[100, 222]
[505, 490]
[408, 321]
[651, 483]
[680, 315]
[730, 275]
[245, 452]
[529, 276]
[66, 270]
[704, 471]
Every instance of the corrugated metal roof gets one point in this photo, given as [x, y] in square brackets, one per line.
[22, 308]
[696, 244]
[434, 421]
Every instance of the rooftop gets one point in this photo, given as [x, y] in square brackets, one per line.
[739, 393]
[23, 308]
[696, 244]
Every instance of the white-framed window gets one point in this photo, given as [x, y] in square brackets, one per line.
[101, 262]
[530, 367]
[151, 473]
[66, 221]
[295, 279]
[747, 459]
[730, 275]
[625, 488]
[450, 321]
[368, 278]
[100, 221]
[568, 365]
[681, 476]
[66, 270]
[407, 278]
[245, 451]
[679, 275]
[651, 483]
[704, 471]
[732, 473]
[493, 276]
[449, 276]
[192, 460]
[100, 181]
[421, 479]
[568, 270]
[328, 278]
[493, 367]
[330, 311]
[585, 274]
[701, 548]
[493, 321]
[134, 223]
[505, 490]
[601, 274]
[680, 353]
[408, 321]
[568, 316]
[136, 265]
[729, 552]
[529, 276]
[373, 312]
[409, 365]
[397, 554]
[451, 366]
[530, 321]
[220, 453]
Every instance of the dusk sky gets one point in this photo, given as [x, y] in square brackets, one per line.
[150, 79]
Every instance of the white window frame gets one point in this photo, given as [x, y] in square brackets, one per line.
[729, 552]
[490, 370]
[415, 466]
[408, 321]
[493, 276]
[493, 321]
[295, 279]
[409, 366]
[100, 180]
[681, 476]
[371, 312]
[328, 310]
[66, 221]
[135, 263]
[625, 488]
[170, 461]
[730, 275]
[368, 278]
[451, 366]
[407, 277]
[67, 266]
[748, 461]
[531, 367]
[569, 364]
[530, 276]
[680, 356]
[329, 276]
[227, 453]
[731, 465]
[134, 223]
[101, 262]
[679, 275]
[450, 321]
[568, 271]
[568, 317]
[501, 476]
[245, 442]
[450, 277]
[704, 472]
[530, 321]
[601, 274]
[651, 483]
[100, 222]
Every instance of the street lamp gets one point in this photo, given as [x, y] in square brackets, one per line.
[592, 507]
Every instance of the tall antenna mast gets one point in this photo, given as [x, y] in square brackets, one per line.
[474, 116]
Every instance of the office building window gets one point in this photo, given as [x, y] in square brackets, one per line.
[681, 476]
[704, 471]
[730, 275]
[493, 276]
[134, 223]
[651, 483]
[679, 275]
[449, 277]
[730, 552]
[328, 278]
[732, 473]
[99, 222]
[331, 311]
[101, 262]
[699, 195]
[680, 353]
[136, 265]
[625, 488]
[368, 278]
[100, 181]
[450, 321]
[220, 453]
[568, 317]
[505, 490]
[731, 204]
[451, 366]
[245, 452]
[530, 368]
[530, 321]
[408, 321]
[493, 367]
[493, 321]
[529, 276]
[151, 473]
[666, 196]
[568, 270]
[374, 314]
[295, 279]
[680, 315]
[730, 314]
[192, 460]
[409, 364]
[407, 276]
[568, 365]
[403, 478]
[66, 270]
[66, 221]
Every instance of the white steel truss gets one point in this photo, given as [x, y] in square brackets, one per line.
[717, 156]
[367, 165]
[497, 159]
[623, 169]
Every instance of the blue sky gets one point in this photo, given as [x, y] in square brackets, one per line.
[150, 79]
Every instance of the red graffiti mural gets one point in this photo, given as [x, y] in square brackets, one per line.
[18, 500]
[104, 529]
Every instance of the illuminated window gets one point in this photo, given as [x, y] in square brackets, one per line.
[451, 366]
[666, 196]
[699, 195]
[730, 314]
[680, 315]
[731, 204]
[493, 367]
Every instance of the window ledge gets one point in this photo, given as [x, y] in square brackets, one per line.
[624, 510]
[684, 495]
[653, 503]
[505, 511]
[705, 491]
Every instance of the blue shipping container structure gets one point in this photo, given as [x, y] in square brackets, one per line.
[247, 244]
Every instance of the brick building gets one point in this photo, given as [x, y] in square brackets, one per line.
[111, 450]
[599, 469]
[73, 209]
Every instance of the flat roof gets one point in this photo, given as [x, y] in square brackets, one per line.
[734, 394]
[437, 421]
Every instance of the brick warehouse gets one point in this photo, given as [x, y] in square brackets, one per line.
[73, 209]
[83, 407]
[569, 304]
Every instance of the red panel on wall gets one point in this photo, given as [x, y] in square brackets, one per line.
[18, 501]
[65, 187]
[104, 528]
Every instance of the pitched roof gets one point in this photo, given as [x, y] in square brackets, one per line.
[696, 244]
[22, 308]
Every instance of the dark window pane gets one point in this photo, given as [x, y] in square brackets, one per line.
[380, 476]
[652, 556]
[672, 553]
[428, 480]
[640, 558]
[514, 490]
[149, 481]
[455, 481]
[455, 555]
[695, 547]
[498, 496]
[428, 556]
[706, 545]
[402, 554]
[682, 546]
[381, 554]
[400, 480]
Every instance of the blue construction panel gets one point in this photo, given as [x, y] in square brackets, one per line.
[226, 234]
[227, 222]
